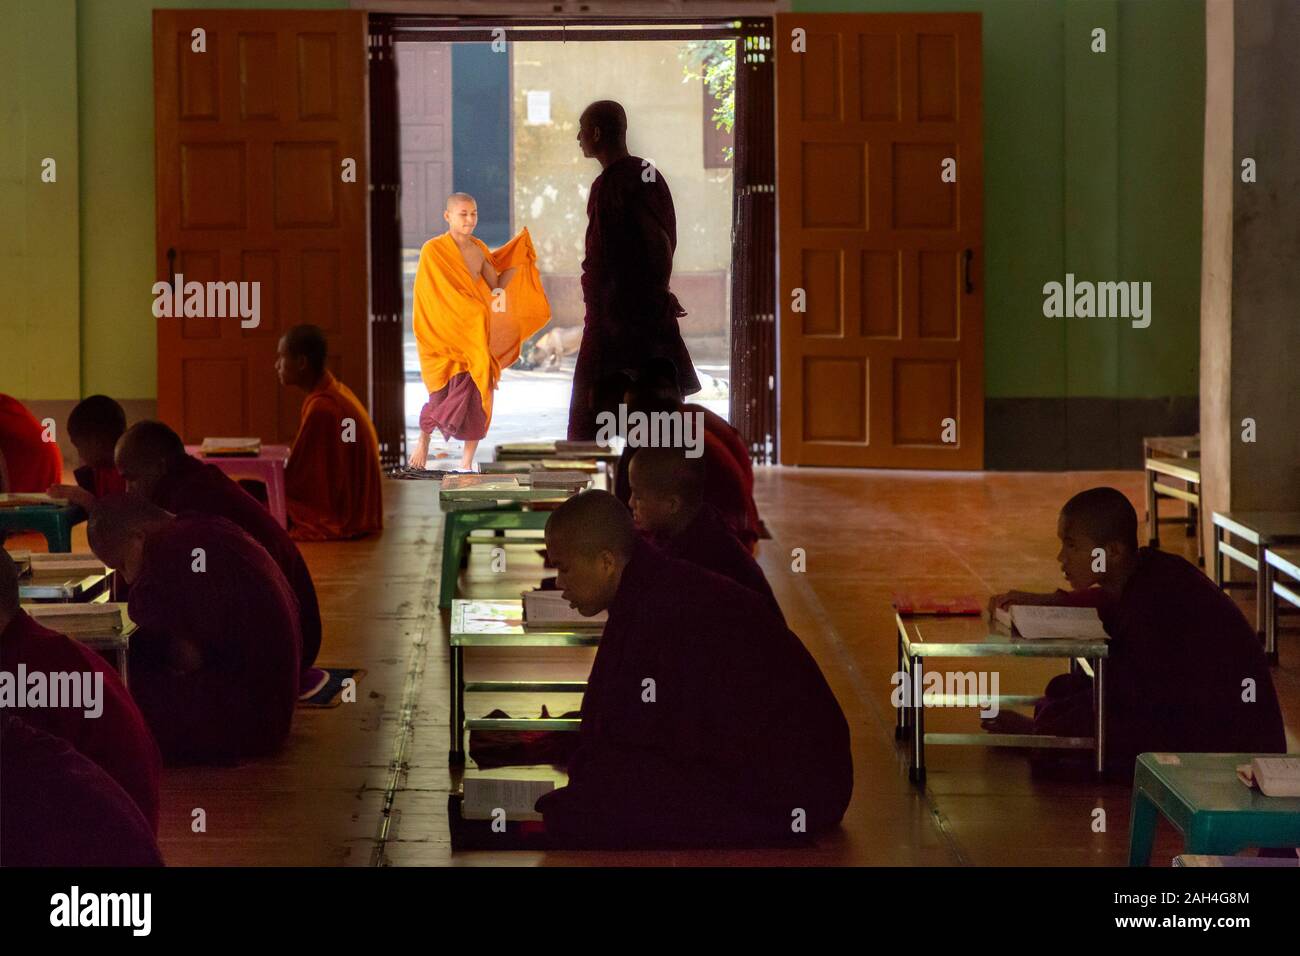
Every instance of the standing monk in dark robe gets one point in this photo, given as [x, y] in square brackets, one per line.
[1185, 671]
[667, 502]
[215, 662]
[112, 732]
[705, 721]
[155, 465]
[59, 808]
[631, 236]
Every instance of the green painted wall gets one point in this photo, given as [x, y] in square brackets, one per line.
[115, 77]
[1092, 165]
[38, 240]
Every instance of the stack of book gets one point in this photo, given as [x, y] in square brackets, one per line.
[231, 447]
[70, 563]
[570, 481]
[79, 620]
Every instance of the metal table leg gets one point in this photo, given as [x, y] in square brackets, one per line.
[1265, 578]
[1099, 711]
[456, 756]
[917, 772]
[1217, 557]
[1153, 511]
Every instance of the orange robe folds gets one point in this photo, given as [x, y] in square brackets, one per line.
[457, 330]
[31, 463]
[333, 484]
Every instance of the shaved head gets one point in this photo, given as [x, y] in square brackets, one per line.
[97, 417]
[609, 117]
[456, 199]
[589, 540]
[117, 528]
[145, 453]
[1105, 515]
[667, 471]
[8, 587]
[308, 342]
[591, 522]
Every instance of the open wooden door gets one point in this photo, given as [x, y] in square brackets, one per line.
[252, 132]
[882, 355]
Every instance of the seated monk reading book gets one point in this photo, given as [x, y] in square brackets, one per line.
[724, 484]
[153, 460]
[333, 481]
[474, 308]
[705, 720]
[1185, 671]
[667, 500]
[94, 426]
[215, 662]
[30, 460]
[661, 376]
[59, 808]
[109, 730]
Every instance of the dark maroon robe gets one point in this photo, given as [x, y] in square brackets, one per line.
[743, 739]
[724, 487]
[1179, 651]
[59, 808]
[710, 543]
[631, 315]
[118, 740]
[241, 615]
[191, 485]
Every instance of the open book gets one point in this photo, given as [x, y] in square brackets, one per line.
[549, 608]
[1275, 776]
[513, 790]
[1043, 622]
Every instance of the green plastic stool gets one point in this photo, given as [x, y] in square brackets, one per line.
[55, 523]
[1213, 810]
[456, 532]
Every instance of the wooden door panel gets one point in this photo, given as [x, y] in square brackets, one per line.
[251, 135]
[890, 343]
[424, 104]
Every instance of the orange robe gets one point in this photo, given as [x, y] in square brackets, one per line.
[31, 463]
[456, 328]
[332, 485]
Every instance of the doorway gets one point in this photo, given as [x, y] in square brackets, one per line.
[498, 120]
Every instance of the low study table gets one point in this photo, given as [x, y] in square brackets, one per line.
[1215, 812]
[921, 636]
[500, 624]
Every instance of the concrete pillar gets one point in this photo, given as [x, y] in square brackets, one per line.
[1250, 283]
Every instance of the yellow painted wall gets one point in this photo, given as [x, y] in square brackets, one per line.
[665, 124]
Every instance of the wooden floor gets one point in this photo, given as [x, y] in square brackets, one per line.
[366, 783]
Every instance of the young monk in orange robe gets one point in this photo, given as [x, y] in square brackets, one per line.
[28, 463]
[474, 307]
[333, 478]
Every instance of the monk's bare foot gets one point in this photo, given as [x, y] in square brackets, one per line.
[420, 453]
[1008, 722]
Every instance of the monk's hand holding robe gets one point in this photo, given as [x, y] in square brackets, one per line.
[466, 332]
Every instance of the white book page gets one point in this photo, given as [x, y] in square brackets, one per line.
[1042, 622]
